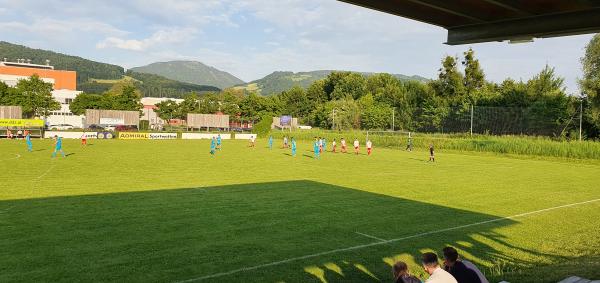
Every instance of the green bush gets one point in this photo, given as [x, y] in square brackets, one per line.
[263, 128]
[144, 125]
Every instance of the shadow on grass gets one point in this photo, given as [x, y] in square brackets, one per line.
[311, 231]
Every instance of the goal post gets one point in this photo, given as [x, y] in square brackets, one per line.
[398, 139]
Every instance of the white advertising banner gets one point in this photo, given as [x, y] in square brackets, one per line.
[199, 136]
[70, 135]
[244, 136]
[162, 136]
[112, 121]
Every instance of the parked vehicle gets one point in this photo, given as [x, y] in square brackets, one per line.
[61, 127]
[95, 127]
[126, 128]
[109, 127]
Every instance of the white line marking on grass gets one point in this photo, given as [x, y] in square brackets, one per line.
[372, 237]
[216, 275]
[45, 173]
[17, 156]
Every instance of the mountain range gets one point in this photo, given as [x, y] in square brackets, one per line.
[191, 72]
[277, 82]
[97, 77]
[166, 79]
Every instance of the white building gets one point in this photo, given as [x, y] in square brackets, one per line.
[64, 115]
[64, 84]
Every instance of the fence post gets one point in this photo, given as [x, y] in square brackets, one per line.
[471, 119]
[333, 118]
[580, 117]
[393, 118]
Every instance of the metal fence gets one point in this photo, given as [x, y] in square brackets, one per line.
[490, 120]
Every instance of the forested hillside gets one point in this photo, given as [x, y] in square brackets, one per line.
[277, 82]
[192, 72]
[86, 69]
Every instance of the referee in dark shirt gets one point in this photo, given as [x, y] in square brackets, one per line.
[459, 270]
[431, 155]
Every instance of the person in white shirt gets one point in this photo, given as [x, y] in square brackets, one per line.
[320, 144]
[333, 144]
[356, 146]
[369, 147]
[343, 141]
[252, 140]
[432, 267]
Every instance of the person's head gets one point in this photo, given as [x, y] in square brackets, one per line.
[430, 262]
[55, 137]
[399, 269]
[450, 256]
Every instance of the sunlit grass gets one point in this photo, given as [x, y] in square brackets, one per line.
[166, 211]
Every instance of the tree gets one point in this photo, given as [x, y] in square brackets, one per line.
[590, 84]
[450, 82]
[251, 106]
[190, 104]
[351, 85]
[168, 109]
[551, 108]
[35, 97]
[8, 95]
[347, 115]
[129, 99]
[208, 104]
[230, 101]
[316, 93]
[474, 76]
[296, 102]
[85, 101]
[374, 115]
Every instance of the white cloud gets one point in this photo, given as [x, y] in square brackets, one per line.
[162, 36]
[50, 27]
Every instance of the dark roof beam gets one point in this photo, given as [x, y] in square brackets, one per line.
[412, 10]
[578, 22]
[509, 7]
[442, 6]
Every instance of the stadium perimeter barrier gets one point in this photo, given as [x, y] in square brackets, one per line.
[70, 135]
[18, 125]
[146, 136]
[200, 136]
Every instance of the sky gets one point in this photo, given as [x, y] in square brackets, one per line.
[252, 38]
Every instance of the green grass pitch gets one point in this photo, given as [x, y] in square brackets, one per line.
[166, 211]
